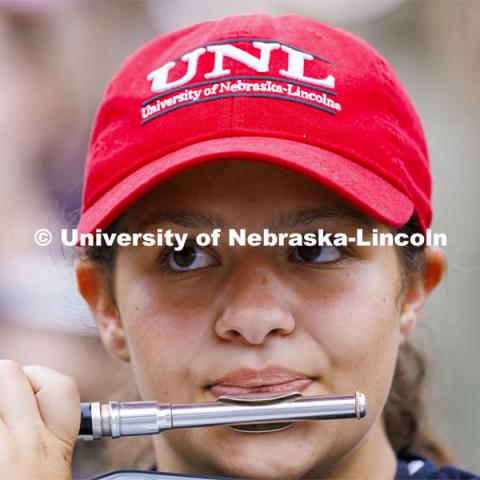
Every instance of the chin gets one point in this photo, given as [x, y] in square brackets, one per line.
[277, 455]
[263, 467]
[266, 468]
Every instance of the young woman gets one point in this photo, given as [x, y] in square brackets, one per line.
[252, 123]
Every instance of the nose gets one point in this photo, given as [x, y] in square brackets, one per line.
[255, 306]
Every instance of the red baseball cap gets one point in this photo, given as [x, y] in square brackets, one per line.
[289, 90]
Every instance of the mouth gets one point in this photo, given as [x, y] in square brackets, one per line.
[297, 385]
[273, 379]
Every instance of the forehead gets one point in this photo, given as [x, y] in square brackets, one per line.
[241, 189]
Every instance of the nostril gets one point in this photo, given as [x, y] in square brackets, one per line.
[233, 334]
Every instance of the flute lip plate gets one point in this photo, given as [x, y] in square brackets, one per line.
[250, 399]
[261, 427]
[259, 398]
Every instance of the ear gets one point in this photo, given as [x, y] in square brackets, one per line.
[419, 288]
[93, 286]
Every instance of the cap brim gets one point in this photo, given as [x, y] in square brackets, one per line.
[369, 192]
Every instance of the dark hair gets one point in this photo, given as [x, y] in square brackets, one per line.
[404, 414]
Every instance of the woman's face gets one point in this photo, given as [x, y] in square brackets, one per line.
[227, 319]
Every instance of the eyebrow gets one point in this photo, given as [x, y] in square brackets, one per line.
[303, 218]
[294, 219]
[184, 218]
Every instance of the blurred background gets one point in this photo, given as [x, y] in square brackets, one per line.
[56, 58]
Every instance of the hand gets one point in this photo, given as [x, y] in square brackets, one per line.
[39, 422]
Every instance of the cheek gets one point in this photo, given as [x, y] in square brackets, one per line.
[357, 326]
[165, 338]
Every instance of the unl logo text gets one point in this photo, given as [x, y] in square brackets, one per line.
[295, 64]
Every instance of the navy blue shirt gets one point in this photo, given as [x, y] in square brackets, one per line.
[413, 466]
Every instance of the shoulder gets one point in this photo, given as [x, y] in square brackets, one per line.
[413, 466]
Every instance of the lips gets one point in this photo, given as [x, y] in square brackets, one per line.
[270, 379]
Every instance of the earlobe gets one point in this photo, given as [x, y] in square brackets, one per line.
[419, 289]
[94, 288]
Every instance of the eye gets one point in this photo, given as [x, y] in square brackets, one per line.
[317, 254]
[190, 258]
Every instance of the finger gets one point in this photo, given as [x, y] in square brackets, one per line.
[58, 400]
[18, 406]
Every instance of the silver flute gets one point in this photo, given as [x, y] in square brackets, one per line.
[252, 413]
